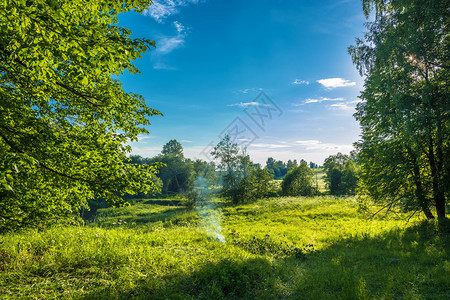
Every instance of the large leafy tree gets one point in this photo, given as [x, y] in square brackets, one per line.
[405, 112]
[64, 117]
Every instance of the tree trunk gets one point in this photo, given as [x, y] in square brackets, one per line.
[420, 195]
[438, 194]
[440, 199]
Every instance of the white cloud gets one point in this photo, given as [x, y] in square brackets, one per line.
[322, 99]
[180, 27]
[145, 151]
[331, 83]
[246, 104]
[298, 81]
[168, 44]
[246, 91]
[348, 106]
[318, 100]
[317, 145]
[142, 137]
[297, 110]
[342, 106]
[160, 10]
[159, 65]
[269, 146]
[186, 141]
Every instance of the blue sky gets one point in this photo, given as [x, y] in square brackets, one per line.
[275, 75]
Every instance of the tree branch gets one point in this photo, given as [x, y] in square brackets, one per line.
[41, 164]
[72, 90]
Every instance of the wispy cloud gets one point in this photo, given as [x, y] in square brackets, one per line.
[159, 65]
[317, 100]
[342, 106]
[180, 27]
[331, 83]
[348, 106]
[160, 10]
[298, 81]
[246, 104]
[167, 44]
[270, 146]
[142, 137]
[246, 91]
[297, 110]
[322, 99]
[317, 145]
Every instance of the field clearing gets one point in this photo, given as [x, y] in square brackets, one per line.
[283, 248]
[319, 179]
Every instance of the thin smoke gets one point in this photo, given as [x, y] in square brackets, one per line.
[210, 216]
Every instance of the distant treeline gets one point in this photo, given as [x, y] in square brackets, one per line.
[236, 177]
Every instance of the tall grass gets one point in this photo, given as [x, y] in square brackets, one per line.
[284, 248]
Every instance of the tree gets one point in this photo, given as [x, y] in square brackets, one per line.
[405, 113]
[299, 181]
[278, 168]
[228, 153]
[240, 180]
[341, 174]
[173, 147]
[291, 164]
[205, 170]
[64, 118]
[350, 177]
[258, 184]
[178, 173]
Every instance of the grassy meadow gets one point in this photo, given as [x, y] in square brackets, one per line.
[280, 248]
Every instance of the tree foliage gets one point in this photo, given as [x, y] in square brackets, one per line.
[341, 174]
[227, 152]
[299, 181]
[64, 117]
[177, 172]
[241, 181]
[279, 168]
[205, 170]
[256, 185]
[405, 113]
[173, 147]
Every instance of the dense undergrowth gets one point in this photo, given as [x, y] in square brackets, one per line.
[291, 248]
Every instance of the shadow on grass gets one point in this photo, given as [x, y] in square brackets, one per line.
[401, 264]
[177, 215]
[164, 202]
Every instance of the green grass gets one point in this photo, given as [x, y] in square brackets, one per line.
[284, 248]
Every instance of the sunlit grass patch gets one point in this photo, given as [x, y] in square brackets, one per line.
[280, 248]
